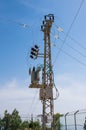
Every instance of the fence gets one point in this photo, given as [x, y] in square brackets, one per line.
[73, 120]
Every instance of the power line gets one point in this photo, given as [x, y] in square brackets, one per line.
[75, 41]
[70, 28]
[68, 45]
[71, 55]
[74, 58]
[35, 106]
[24, 25]
[33, 100]
[71, 38]
[74, 49]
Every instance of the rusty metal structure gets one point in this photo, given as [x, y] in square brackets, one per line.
[47, 84]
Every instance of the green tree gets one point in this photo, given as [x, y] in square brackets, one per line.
[34, 125]
[1, 123]
[24, 124]
[57, 124]
[6, 121]
[10, 121]
[85, 124]
[15, 120]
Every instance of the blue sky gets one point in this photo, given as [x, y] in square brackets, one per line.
[16, 42]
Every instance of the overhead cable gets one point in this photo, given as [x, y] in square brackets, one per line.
[24, 25]
[70, 28]
[33, 100]
[75, 41]
[74, 49]
[56, 36]
[74, 58]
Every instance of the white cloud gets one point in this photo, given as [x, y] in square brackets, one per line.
[16, 94]
[13, 95]
[72, 94]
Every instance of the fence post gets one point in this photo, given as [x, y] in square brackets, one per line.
[75, 119]
[66, 120]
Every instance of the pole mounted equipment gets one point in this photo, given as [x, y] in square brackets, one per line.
[34, 52]
[47, 81]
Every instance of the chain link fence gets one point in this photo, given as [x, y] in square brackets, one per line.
[75, 120]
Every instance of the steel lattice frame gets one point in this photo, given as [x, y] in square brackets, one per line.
[48, 104]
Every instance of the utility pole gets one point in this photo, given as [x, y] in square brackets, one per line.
[47, 90]
[46, 87]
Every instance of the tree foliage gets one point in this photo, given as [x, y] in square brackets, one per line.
[24, 124]
[85, 124]
[57, 123]
[35, 125]
[10, 121]
[13, 122]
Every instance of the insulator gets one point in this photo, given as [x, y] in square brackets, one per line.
[29, 71]
[31, 56]
[33, 68]
[33, 49]
[33, 75]
[53, 17]
[33, 53]
[45, 17]
[43, 22]
[41, 27]
[36, 47]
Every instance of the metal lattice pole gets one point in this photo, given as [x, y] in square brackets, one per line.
[46, 87]
[48, 105]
